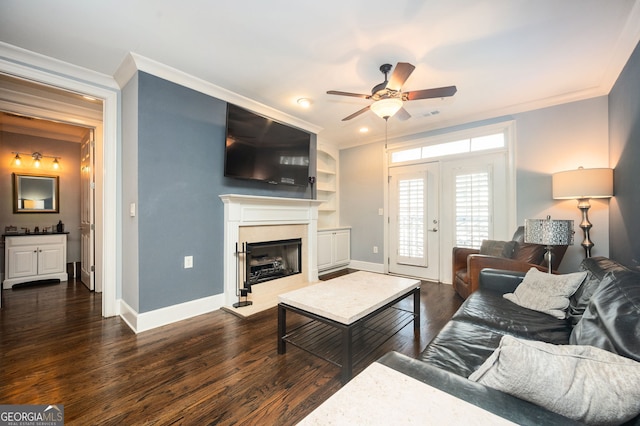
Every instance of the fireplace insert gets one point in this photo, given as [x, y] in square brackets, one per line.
[270, 260]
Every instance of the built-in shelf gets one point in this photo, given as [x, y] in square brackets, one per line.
[327, 186]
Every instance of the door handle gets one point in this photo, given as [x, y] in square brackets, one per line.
[433, 230]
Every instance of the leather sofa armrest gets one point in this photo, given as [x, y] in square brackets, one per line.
[492, 400]
[500, 281]
[460, 255]
[478, 262]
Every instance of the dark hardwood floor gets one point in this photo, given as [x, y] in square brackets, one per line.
[212, 369]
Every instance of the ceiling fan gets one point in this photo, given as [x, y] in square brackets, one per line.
[388, 97]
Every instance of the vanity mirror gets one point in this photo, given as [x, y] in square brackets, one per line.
[35, 193]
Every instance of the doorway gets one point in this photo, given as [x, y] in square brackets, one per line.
[413, 221]
[44, 115]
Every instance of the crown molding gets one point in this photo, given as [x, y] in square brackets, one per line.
[46, 65]
[134, 62]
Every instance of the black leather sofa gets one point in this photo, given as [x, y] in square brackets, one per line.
[612, 322]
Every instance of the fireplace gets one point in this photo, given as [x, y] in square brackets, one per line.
[251, 219]
[271, 260]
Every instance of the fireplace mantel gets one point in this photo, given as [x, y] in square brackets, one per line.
[251, 210]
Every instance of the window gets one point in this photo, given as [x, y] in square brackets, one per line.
[411, 216]
[472, 209]
[462, 146]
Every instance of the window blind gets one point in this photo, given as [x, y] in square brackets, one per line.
[472, 205]
[411, 218]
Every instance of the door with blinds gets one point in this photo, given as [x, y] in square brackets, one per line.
[413, 221]
[475, 204]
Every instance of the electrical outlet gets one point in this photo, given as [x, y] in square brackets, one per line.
[188, 262]
[375, 249]
[380, 212]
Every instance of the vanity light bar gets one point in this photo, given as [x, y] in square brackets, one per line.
[36, 159]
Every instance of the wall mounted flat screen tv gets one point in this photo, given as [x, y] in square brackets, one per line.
[263, 149]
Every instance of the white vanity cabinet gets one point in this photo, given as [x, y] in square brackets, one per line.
[34, 257]
[334, 248]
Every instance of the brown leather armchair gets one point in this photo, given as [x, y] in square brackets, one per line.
[467, 263]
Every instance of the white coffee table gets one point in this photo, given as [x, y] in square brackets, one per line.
[354, 307]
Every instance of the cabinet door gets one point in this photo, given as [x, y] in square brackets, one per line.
[23, 261]
[325, 249]
[50, 259]
[342, 247]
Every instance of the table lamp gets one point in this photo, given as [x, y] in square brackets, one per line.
[583, 184]
[548, 233]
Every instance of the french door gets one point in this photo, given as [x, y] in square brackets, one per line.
[413, 221]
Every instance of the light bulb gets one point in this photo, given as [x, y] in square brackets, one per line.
[56, 165]
[18, 160]
[36, 163]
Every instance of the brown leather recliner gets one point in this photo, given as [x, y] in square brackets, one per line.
[467, 263]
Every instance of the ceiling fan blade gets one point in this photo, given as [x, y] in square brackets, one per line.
[402, 114]
[355, 95]
[357, 113]
[440, 92]
[400, 74]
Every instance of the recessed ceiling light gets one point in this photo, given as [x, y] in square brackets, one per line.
[364, 129]
[304, 102]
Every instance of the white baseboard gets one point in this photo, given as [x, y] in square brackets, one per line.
[163, 316]
[367, 266]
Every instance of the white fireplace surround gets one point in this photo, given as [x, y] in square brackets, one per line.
[251, 210]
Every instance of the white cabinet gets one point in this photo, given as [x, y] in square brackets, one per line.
[34, 257]
[334, 248]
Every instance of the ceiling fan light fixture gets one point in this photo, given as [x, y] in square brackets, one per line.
[304, 102]
[385, 108]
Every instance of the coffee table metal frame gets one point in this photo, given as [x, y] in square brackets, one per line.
[346, 331]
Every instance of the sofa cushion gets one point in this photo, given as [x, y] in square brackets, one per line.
[612, 318]
[476, 329]
[580, 382]
[546, 292]
[461, 347]
[599, 266]
[498, 248]
[579, 301]
[490, 310]
[514, 409]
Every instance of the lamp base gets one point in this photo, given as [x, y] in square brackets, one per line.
[583, 205]
[548, 256]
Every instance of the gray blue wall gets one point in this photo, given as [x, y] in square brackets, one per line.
[362, 174]
[624, 142]
[180, 160]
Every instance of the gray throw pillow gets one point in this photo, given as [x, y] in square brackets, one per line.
[544, 292]
[498, 248]
[583, 383]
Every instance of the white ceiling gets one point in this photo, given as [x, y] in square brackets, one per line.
[504, 56]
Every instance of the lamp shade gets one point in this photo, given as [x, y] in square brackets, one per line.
[583, 183]
[548, 232]
[385, 108]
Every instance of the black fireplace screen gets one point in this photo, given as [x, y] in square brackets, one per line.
[270, 260]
